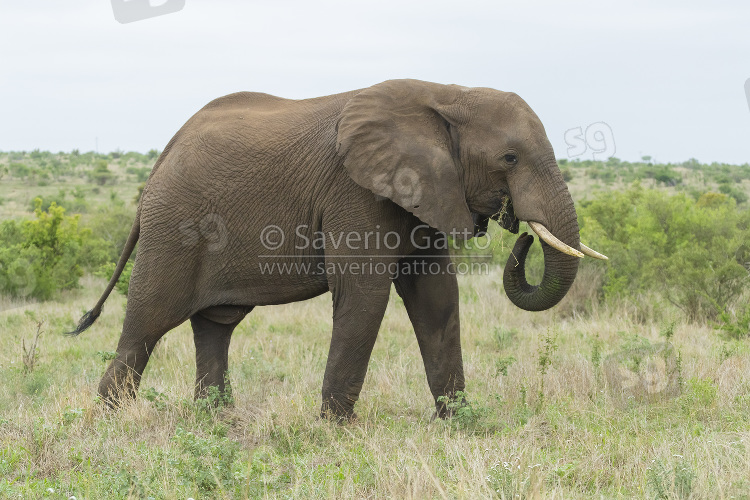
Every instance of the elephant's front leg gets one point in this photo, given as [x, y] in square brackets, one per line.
[359, 303]
[430, 293]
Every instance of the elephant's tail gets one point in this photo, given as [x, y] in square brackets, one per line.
[88, 319]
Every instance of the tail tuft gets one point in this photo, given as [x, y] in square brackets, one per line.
[86, 321]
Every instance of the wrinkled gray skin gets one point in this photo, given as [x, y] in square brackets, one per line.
[391, 157]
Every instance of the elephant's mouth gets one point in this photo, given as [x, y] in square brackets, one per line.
[480, 224]
[504, 216]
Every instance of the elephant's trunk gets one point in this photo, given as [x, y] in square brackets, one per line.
[559, 268]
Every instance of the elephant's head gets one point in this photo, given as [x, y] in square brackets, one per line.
[456, 157]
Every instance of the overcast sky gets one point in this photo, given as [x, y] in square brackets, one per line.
[667, 78]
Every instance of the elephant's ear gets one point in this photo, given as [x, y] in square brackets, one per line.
[395, 141]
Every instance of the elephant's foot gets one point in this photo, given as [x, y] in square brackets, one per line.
[118, 387]
[336, 410]
[214, 395]
[447, 406]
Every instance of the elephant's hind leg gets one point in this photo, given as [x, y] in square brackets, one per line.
[142, 329]
[212, 332]
[431, 300]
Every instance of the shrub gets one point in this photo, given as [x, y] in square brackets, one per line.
[663, 174]
[734, 192]
[140, 173]
[694, 252]
[735, 326]
[39, 257]
[107, 270]
[567, 174]
[19, 170]
[110, 224]
[101, 174]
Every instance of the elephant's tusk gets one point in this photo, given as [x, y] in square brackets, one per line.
[552, 241]
[593, 253]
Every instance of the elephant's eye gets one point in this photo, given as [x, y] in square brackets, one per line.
[511, 159]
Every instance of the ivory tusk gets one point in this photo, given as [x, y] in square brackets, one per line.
[552, 241]
[592, 253]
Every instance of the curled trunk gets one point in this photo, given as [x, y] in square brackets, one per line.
[559, 269]
[559, 273]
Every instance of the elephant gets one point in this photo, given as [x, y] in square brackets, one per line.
[251, 179]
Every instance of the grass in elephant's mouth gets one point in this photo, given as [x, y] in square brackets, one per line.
[566, 437]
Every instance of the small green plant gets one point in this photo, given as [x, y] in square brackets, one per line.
[668, 334]
[71, 414]
[31, 353]
[658, 480]
[523, 412]
[668, 331]
[683, 479]
[502, 365]
[667, 482]
[157, 398]
[507, 480]
[463, 414]
[207, 462]
[735, 326]
[106, 355]
[729, 349]
[596, 358]
[702, 391]
[546, 353]
[214, 400]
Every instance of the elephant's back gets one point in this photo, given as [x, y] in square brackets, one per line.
[267, 110]
[248, 101]
[256, 128]
[250, 159]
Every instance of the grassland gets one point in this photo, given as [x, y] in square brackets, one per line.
[552, 413]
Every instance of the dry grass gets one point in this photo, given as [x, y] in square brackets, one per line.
[574, 441]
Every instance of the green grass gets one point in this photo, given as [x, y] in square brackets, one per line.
[546, 418]
[576, 439]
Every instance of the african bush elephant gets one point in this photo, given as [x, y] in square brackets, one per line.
[397, 165]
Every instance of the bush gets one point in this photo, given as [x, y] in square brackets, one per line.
[19, 170]
[77, 205]
[140, 173]
[734, 192]
[694, 252]
[663, 174]
[39, 257]
[107, 270]
[110, 224]
[101, 174]
[735, 326]
[567, 174]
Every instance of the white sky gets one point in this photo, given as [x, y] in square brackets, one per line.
[667, 76]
